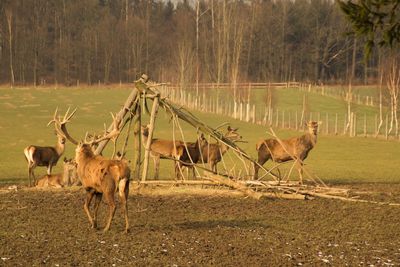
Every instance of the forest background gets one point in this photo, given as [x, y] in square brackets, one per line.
[103, 41]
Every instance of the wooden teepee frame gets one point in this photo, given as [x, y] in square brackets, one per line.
[144, 90]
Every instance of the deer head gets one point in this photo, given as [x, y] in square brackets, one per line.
[232, 134]
[313, 127]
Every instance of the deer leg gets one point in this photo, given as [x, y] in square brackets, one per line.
[123, 196]
[30, 173]
[260, 161]
[32, 168]
[111, 208]
[49, 167]
[89, 196]
[156, 167]
[300, 170]
[97, 200]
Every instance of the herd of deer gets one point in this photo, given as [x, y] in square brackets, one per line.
[101, 176]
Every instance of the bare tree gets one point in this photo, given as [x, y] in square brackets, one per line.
[9, 18]
[393, 86]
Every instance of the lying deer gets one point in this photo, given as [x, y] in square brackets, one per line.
[213, 153]
[295, 148]
[53, 180]
[43, 156]
[67, 178]
[99, 175]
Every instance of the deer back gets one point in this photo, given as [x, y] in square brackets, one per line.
[167, 148]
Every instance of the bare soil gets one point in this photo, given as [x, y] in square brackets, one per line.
[49, 228]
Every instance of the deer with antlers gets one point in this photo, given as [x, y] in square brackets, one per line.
[295, 148]
[213, 153]
[99, 175]
[44, 156]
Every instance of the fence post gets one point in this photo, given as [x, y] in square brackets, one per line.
[297, 121]
[365, 125]
[277, 118]
[283, 119]
[254, 113]
[336, 124]
[327, 123]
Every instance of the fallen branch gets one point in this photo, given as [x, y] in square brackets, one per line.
[247, 191]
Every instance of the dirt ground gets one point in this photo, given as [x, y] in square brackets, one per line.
[49, 228]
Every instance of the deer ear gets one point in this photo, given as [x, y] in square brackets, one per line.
[229, 128]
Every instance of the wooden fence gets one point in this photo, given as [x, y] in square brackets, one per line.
[332, 123]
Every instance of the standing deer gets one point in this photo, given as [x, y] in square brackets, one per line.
[99, 175]
[295, 148]
[190, 155]
[213, 153]
[43, 156]
[161, 149]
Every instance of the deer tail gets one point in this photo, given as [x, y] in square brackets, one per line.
[29, 151]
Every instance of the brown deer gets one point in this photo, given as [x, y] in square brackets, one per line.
[43, 156]
[213, 153]
[70, 175]
[190, 155]
[295, 148]
[53, 180]
[67, 178]
[161, 148]
[99, 175]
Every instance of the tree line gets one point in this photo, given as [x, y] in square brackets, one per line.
[111, 41]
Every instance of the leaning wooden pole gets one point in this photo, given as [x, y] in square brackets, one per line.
[137, 142]
[119, 117]
[153, 115]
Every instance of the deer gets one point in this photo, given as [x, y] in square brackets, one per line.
[43, 156]
[161, 149]
[99, 175]
[190, 154]
[67, 178]
[213, 153]
[53, 180]
[295, 148]
[70, 175]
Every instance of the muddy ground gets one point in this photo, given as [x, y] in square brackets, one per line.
[49, 228]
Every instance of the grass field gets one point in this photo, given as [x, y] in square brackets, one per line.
[25, 113]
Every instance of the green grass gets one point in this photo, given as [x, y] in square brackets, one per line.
[318, 107]
[25, 113]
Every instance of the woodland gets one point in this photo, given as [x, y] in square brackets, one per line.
[104, 41]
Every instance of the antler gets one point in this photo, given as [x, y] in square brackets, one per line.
[60, 124]
[112, 135]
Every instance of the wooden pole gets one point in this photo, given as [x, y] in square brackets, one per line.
[336, 124]
[153, 116]
[119, 117]
[137, 143]
[365, 125]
